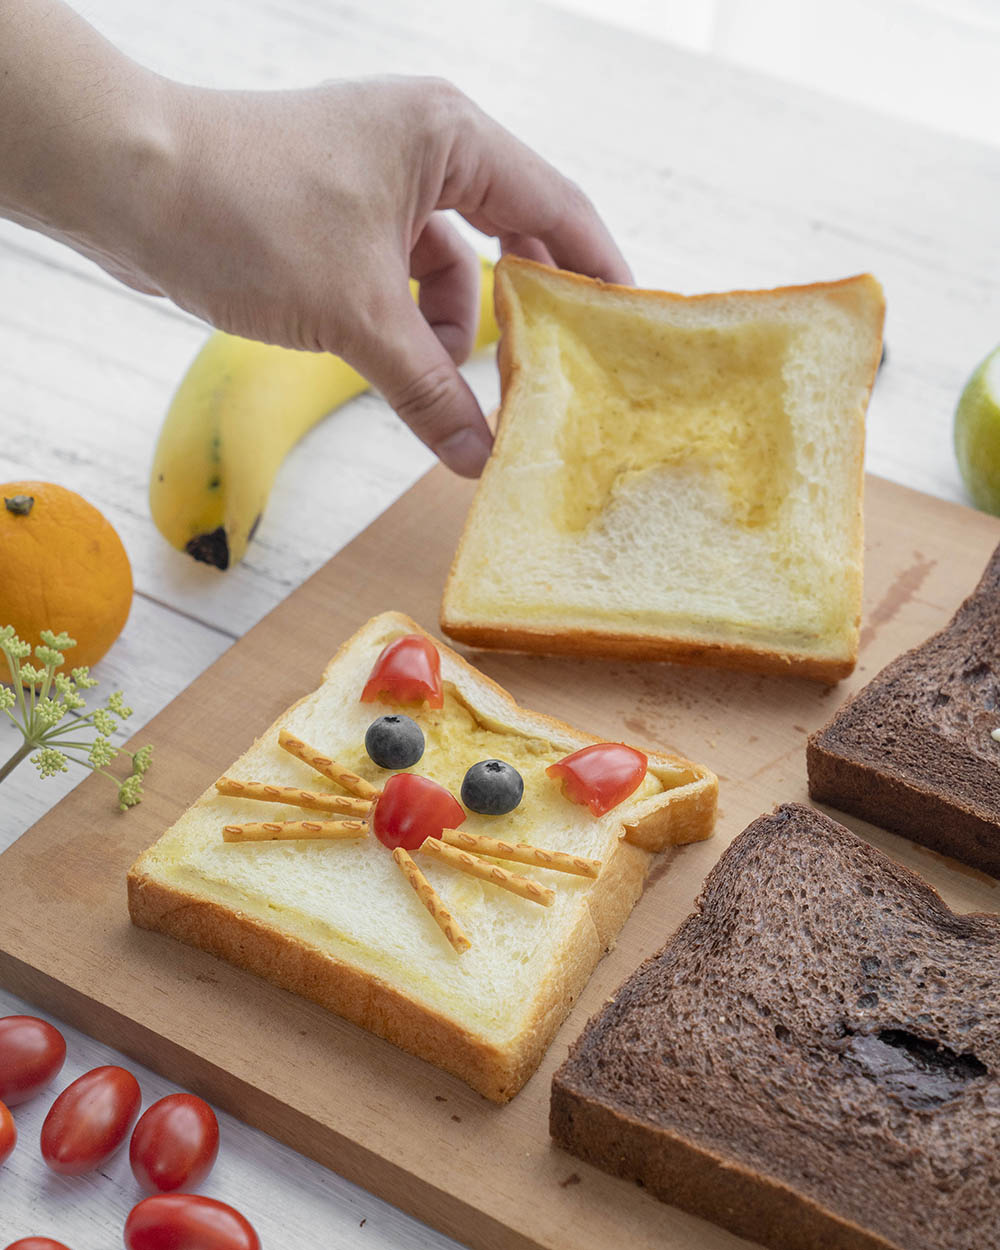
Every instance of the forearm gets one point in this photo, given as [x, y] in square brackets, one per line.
[80, 125]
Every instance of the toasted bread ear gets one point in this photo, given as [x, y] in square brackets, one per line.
[674, 477]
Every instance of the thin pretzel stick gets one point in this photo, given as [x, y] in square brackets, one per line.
[312, 799]
[273, 830]
[521, 853]
[426, 893]
[464, 862]
[328, 767]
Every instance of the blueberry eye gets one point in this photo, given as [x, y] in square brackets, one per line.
[394, 741]
[492, 788]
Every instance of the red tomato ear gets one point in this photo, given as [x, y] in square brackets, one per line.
[407, 671]
[600, 776]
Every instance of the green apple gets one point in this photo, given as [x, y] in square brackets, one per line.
[977, 435]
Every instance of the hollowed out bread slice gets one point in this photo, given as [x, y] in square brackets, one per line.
[912, 751]
[338, 923]
[674, 477]
[814, 1058]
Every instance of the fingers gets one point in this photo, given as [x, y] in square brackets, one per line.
[448, 272]
[411, 367]
[504, 188]
[526, 247]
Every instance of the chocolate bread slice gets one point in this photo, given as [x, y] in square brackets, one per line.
[813, 1061]
[912, 750]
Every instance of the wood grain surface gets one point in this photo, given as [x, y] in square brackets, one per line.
[379, 1117]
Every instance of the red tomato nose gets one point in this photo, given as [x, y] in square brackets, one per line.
[412, 808]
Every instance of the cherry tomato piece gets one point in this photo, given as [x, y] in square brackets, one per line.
[89, 1120]
[32, 1053]
[8, 1133]
[174, 1144]
[187, 1222]
[412, 808]
[407, 671]
[600, 776]
[36, 1243]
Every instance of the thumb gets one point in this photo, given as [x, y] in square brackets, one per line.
[419, 379]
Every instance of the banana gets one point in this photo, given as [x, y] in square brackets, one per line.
[239, 410]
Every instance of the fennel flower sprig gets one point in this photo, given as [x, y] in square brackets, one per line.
[47, 706]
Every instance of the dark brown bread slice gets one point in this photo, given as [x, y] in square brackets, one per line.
[814, 1059]
[912, 750]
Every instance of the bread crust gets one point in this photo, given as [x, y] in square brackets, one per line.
[678, 649]
[720, 1190]
[251, 943]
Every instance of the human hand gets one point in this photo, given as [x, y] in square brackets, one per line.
[294, 217]
[298, 217]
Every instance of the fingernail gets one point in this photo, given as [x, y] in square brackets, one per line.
[465, 452]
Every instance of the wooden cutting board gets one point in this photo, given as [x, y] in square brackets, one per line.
[487, 1175]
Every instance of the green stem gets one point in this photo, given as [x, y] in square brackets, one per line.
[22, 752]
[62, 745]
[47, 680]
[68, 725]
[14, 667]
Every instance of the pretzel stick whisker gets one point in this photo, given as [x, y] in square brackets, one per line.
[273, 830]
[427, 895]
[264, 792]
[464, 862]
[328, 767]
[521, 853]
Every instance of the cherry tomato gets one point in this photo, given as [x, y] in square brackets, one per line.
[31, 1054]
[601, 776]
[412, 808]
[407, 671]
[174, 1144]
[187, 1222]
[36, 1243]
[89, 1120]
[8, 1133]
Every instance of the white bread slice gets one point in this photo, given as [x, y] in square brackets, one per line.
[337, 922]
[674, 477]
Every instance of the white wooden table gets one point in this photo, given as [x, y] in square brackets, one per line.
[710, 178]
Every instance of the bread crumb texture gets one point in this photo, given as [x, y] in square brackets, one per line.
[683, 467]
[814, 1059]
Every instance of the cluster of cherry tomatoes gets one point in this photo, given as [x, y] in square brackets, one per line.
[173, 1146]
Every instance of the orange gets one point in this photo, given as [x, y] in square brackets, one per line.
[62, 567]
